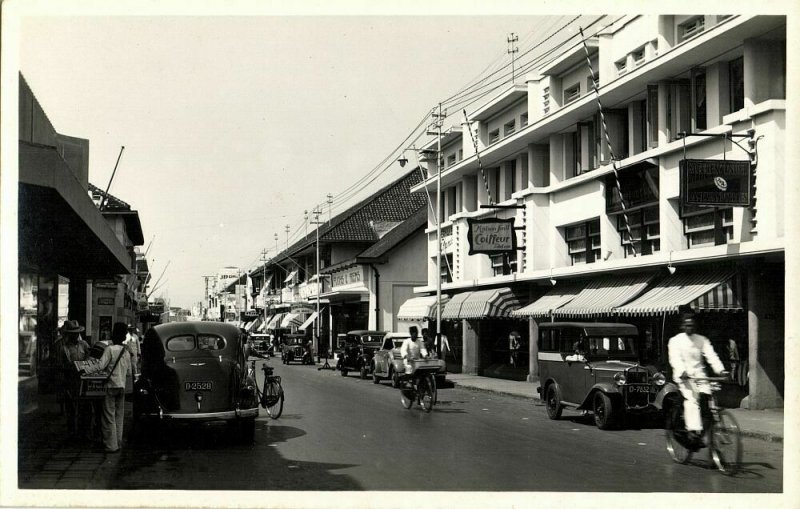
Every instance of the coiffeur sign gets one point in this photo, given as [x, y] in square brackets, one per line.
[715, 183]
[491, 236]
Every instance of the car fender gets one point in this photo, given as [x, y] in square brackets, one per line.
[547, 383]
[609, 389]
[670, 390]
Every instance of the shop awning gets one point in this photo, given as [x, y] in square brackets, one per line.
[262, 326]
[701, 290]
[249, 326]
[420, 308]
[290, 277]
[497, 303]
[308, 322]
[292, 319]
[275, 321]
[603, 295]
[558, 296]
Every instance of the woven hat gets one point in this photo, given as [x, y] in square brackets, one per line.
[72, 326]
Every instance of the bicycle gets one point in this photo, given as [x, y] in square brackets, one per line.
[271, 396]
[721, 430]
[422, 387]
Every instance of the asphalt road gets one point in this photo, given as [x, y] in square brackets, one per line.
[342, 433]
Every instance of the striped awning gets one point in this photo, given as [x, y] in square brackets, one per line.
[701, 290]
[603, 295]
[420, 308]
[308, 322]
[275, 321]
[558, 296]
[292, 320]
[497, 303]
[262, 326]
[249, 326]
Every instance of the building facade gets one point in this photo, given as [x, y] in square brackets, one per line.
[605, 229]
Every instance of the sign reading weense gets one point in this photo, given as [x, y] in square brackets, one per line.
[491, 236]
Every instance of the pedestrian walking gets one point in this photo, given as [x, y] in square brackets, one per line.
[71, 347]
[513, 347]
[134, 346]
[117, 359]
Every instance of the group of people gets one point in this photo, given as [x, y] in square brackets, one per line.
[120, 358]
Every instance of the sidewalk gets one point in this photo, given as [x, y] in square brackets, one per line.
[762, 424]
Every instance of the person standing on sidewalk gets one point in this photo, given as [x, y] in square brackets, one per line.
[116, 358]
[70, 348]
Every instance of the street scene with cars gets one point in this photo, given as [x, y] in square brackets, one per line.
[569, 278]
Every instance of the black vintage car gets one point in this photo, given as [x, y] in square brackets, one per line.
[196, 372]
[357, 352]
[295, 349]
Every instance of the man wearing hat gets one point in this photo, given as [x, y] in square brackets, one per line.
[68, 349]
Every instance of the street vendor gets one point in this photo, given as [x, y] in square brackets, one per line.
[71, 347]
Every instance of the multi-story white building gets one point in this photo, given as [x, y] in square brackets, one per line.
[546, 158]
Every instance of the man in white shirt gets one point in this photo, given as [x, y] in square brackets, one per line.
[686, 353]
[412, 348]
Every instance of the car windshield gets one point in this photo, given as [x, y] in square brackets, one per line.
[371, 338]
[611, 347]
[398, 342]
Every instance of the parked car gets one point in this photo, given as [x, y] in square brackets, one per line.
[196, 372]
[356, 354]
[387, 363]
[294, 349]
[595, 367]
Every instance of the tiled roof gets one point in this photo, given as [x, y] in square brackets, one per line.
[397, 235]
[113, 204]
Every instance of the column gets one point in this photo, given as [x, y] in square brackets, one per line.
[765, 337]
[533, 350]
[470, 361]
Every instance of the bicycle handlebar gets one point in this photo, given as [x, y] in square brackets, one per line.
[708, 378]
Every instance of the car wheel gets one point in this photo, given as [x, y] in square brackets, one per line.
[604, 416]
[344, 372]
[553, 402]
[375, 378]
[363, 372]
[395, 378]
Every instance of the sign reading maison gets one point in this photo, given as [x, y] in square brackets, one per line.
[715, 183]
[491, 236]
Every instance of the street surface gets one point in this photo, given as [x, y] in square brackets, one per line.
[343, 433]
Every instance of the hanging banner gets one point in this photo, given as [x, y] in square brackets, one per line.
[715, 183]
[491, 236]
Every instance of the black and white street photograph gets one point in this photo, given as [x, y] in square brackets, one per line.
[378, 255]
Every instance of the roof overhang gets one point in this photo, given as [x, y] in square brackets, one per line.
[570, 58]
[499, 103]
[60, 228]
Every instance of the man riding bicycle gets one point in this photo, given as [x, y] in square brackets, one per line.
[412, 349]
[686, 353]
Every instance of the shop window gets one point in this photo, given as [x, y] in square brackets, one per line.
[690, 28]
[523, 120]
[572, 93]
[503, 264]
[699, 100]
[705, 226]
[583, 242]
[571, 155]
[646, 231]
[736, 76]
[509, 127]
[494, 136]
[546, 100]
[621, 66]
[446, 269]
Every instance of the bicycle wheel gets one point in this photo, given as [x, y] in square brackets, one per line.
[407, 397]
[677, 436]
[726, 443]
[426, 394]
[273, 399]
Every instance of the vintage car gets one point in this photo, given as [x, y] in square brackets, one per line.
[261, 346]
[357, 351]
[387, 363]
[196, 372]
[294, 349]
[595, 367]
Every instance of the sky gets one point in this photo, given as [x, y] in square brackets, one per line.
[233, 126]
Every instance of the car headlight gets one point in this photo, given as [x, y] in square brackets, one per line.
[659, 378]
[619, 378]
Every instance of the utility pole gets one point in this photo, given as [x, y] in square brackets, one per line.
[287, 238]
[264, 285]
[435, 128]
[512, 39]
[208, 295]
[305, 221]
[330, 206]
[276, 244]
[316, 223]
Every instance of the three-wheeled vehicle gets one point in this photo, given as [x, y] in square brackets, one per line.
[356, 354]
[196, 372]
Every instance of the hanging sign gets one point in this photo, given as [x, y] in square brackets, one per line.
[491, 236]
[639, 188]
[715, 183]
